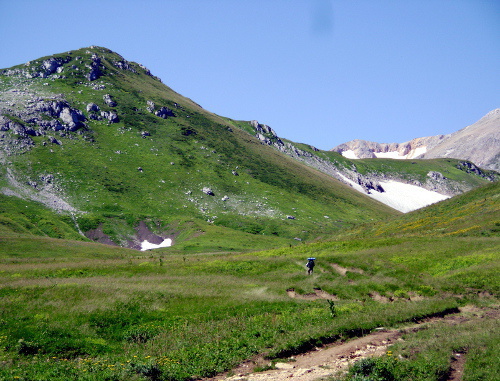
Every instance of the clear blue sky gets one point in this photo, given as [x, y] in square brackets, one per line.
[321, 72]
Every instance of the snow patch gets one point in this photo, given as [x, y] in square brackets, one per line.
[349, 154]
[417, 152]
[401, 196]
[146, 245]
[389, 155]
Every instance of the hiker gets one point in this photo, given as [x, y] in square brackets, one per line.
[310, 265]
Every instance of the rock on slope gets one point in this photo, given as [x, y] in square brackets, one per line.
[479, 143]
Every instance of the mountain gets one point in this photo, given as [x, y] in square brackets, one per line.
[120, 158]
[100, 139]
[478, 143]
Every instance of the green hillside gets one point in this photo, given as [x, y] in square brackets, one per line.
[473, 214]
[18, 217]
[75, 310]
[142, 167]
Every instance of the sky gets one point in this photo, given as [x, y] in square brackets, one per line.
[321, 72]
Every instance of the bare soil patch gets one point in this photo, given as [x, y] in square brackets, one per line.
[98, 235]
[343, 270]
[317, 294]
[457, 367]
[321, 362]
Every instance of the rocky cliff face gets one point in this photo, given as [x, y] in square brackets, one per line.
[362, 149]
[479, 143]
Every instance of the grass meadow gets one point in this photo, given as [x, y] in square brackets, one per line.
[91, 312]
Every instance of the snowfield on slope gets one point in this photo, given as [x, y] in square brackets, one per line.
[401, 196]
[146, 245]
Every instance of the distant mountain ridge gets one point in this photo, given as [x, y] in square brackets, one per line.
[479, 143]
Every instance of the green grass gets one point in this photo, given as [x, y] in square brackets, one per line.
[475, 213]
[90, 312]
[203, 313]
[19, 216]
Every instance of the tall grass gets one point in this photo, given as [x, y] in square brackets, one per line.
[128, 315]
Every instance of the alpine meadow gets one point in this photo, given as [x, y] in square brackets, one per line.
[143, 237]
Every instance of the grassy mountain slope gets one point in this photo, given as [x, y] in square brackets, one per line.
[475, 213]
[87, 311]
[18, 216]
[140, 166]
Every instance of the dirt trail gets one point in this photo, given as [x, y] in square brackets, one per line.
[331, 359]
[321, 362]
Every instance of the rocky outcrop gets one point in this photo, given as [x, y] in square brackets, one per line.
[108, 99]
[6, 124]
[362, 149]
[164, 112]
[27, 111]
[124, 65]
[38, 69]
[150, 106]
[35, 122]
[31, 115]
[266, 134]
[111, 116]
[146, 70]
[72, 119]
[469, 167]
[208, 191]
[51, 66]
[95, 68]
[88, 64]
[92, 107]
[369, 185]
